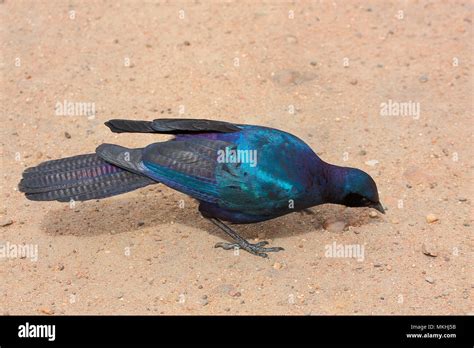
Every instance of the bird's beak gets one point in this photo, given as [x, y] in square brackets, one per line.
[378, 206]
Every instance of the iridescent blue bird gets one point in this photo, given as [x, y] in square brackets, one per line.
[238, 173]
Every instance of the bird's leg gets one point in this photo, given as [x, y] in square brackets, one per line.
[256, 249]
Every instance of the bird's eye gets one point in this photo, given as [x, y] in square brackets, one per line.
[364, 201]
[356, 200]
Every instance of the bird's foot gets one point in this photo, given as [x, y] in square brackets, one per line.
[240, 242]
[255, 249]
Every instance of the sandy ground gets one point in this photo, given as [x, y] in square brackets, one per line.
[318, 70]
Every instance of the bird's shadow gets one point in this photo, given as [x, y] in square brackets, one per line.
[154, 207]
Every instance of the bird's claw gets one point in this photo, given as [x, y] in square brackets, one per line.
[256, 249]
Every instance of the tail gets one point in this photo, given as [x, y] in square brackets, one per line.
[79, 178]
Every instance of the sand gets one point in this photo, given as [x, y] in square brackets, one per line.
[364, 84]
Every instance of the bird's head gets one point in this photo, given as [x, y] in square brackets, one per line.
[357, 189]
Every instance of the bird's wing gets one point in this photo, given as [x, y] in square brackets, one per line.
[192, 166]
[171, 126]
[188, 166]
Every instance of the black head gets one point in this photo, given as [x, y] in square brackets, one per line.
[359, 190]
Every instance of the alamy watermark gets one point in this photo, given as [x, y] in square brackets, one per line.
[28, 330]
[394, 108]
[355, 251]
[19, 251]
[69, 108]
[230, 155]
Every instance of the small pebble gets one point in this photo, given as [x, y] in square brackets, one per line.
[204, 300]
[429, 280]
[373, 214]
[372, 162]
[277, 265]
[428, 250]
[423, 78]
[362, 153]
[6, 222]
[430, 218]
[389, 268]
[140, 223]
[67, 135]
[234, 293]
[354, 82]
[46, 310]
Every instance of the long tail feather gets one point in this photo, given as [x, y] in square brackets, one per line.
[79, 178]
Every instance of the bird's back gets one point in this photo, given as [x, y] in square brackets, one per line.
[256, 171]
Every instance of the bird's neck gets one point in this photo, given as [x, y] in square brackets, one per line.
[335, 188]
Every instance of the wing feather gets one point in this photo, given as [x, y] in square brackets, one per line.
[171, 126]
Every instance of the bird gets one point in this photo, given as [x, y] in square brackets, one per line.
[238, 173]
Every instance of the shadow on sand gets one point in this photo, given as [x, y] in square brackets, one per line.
[155, 207]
